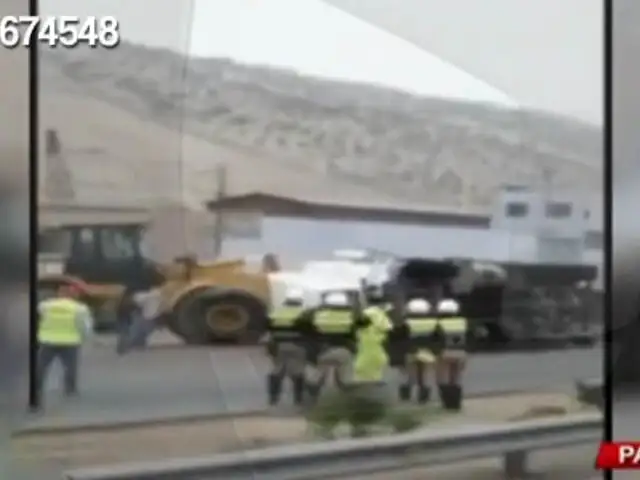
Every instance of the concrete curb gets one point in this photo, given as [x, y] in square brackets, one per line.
[106, 426]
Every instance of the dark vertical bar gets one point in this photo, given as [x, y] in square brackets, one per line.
[34, 400]
[607, 227]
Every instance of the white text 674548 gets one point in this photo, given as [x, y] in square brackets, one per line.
[67, 31]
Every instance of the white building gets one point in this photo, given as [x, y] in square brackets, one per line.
[525, 227]
[568, 226]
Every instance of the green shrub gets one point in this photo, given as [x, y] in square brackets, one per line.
[359, 406]
[363, 412]
[327, 413]
[405, 420]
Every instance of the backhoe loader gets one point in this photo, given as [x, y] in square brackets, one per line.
[201, 303]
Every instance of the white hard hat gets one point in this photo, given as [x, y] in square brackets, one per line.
[418, 305]
[449, 306]
[294, 293]
[337, 299]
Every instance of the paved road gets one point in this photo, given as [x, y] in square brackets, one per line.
[173, 382]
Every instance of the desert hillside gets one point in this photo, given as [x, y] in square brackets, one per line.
[413, 148]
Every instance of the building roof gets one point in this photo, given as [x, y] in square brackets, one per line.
[370, 204]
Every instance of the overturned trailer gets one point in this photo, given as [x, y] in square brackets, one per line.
[516, 303]
[507, 303]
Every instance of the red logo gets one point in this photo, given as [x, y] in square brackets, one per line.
[618, 455]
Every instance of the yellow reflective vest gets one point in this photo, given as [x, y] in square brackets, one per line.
[454, 328]
[333, 320]
[423, 326]
[371, 355]
[285, 316]
[59, 322]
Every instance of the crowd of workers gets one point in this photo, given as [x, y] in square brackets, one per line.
[306, 344]
[359, 343]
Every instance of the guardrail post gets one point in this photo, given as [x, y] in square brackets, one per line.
[515, 464]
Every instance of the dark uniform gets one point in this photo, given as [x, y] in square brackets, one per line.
[287, 355]
[452, 359]
[422, 325]
[331, 341]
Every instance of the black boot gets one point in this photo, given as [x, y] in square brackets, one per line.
[455, 398]
[298, 389]
[313, 390]
[445, 396]
[404, 392]
[424, 394]
[274, 388]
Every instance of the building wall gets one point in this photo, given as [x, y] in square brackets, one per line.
[564, 222]
[298, 239]
[550, 214]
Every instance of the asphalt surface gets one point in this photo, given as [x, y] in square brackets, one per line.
[169, 381]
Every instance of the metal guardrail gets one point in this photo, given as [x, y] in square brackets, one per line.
[342, 458]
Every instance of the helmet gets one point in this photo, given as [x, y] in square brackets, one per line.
[418, 305]
[72, 289]
[449, 307]
[336, 299]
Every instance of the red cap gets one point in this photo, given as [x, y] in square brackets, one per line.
[75, 287]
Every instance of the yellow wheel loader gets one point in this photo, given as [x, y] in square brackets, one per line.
[201, 303]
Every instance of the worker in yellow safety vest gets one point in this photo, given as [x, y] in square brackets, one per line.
[333, 323]
[64, 323]
[371, 358]
[452, 359]
[419, 317]
[288, 357]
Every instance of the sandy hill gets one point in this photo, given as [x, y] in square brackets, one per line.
[121, 115]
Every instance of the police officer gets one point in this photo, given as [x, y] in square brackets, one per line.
[452, 358]
[64, 323]
[419, 316]
[332, 323]
[288, 357]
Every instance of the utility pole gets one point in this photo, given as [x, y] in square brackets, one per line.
[219, 223]
[57, 181]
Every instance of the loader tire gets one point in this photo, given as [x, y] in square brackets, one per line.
[216, 315]
[181, 322]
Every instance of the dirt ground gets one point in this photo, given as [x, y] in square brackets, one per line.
[90, 448]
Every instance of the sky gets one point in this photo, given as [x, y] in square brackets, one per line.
[546, 54]
[317, 38]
